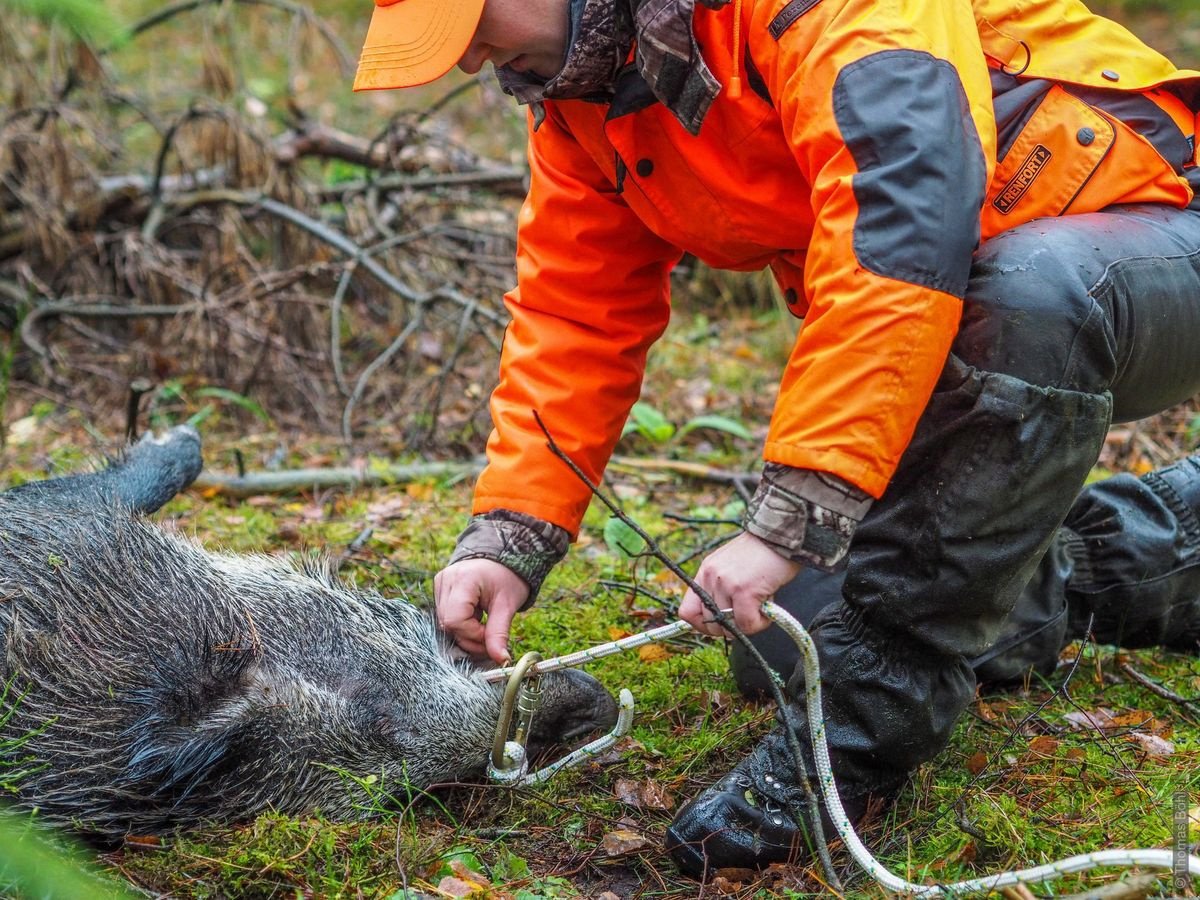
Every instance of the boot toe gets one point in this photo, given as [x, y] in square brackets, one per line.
[729, 825]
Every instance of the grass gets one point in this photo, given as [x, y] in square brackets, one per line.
[1019, 785]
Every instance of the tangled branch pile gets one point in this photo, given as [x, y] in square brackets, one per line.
[176, 208]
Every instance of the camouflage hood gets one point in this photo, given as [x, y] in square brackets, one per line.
[602, 34]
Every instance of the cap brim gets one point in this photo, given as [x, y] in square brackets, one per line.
[414, 42]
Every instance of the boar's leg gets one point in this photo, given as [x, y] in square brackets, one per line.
[147, 475]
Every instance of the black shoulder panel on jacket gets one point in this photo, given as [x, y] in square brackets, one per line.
[921, 176]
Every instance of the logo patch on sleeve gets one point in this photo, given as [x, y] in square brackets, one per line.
[1019, 183]
[789, 15]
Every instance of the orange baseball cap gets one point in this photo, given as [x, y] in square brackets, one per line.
[411, 42]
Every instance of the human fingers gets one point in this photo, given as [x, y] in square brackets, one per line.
[459, 607]
[499, 623]
[693, 611]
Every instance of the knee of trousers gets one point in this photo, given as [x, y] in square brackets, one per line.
[993, 467]
[890, 703]
[1137, 549]
[1029, 311]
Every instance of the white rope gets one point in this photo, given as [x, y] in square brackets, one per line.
[1155, 859]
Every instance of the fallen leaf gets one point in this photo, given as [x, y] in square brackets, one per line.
[1075, 754]
[977, 762]
[394, 506]
[643, 794]
[143, 841]
[615, 633]
[719, 699]
[623, 840]
[429, 346]
[649, 653]
[466, 873]
[288, 531]
[312, 512]
[1096, 720]
[744, 351]
[723, 885]
[457, 887]
[1133, 719]
[738, 876]
[626, 791]
[422, 491]
[23, 431]
[1043, 744]
[967, 854]
[1153, 744]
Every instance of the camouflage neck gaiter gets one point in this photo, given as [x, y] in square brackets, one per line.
[602, 32]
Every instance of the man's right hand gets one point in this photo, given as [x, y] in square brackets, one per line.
[465, 592]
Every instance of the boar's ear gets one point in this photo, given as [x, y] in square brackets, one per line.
[177, 762]
[173, 762]
[199, 727]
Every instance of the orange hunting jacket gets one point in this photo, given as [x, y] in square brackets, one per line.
[875, 144]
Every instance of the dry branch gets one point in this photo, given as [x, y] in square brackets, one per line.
[221, 255]
[296, 480]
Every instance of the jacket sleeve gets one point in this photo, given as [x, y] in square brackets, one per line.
[888, 110]
[592, 295]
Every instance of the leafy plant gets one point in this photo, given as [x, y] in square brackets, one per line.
[174, 393]
[1193, 431]
[621, 539]
[651, 424]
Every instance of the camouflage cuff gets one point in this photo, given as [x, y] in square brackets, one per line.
[527, 545]
[808, 517]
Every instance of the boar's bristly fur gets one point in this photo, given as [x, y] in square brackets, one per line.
[153, 684]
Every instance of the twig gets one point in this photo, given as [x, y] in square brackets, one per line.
[1155, 688]
[722, 618]
[511, 180]
[317, 479]
[683, 467]
[96, 311]
[360, 386]
[1135, 887]
[137, 388]
[629, 587]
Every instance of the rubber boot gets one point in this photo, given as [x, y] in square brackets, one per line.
[888, 702]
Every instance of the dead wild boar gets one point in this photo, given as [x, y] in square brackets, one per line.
[151, 684]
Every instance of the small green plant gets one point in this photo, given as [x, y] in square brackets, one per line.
[174, 394]
[621, 539]
[651, 424]
[14, 763]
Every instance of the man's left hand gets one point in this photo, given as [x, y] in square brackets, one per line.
[739, 576]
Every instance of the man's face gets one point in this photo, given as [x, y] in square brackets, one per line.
[525, 35]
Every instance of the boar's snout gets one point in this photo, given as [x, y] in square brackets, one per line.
[573, 704]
